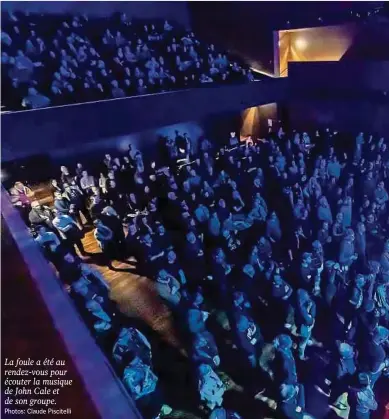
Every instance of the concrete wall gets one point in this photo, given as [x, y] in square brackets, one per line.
[346, 95]
[339, 114]
[343, 75]
[175, 11]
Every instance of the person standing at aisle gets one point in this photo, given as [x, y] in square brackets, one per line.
[69, 230]
[104, 237]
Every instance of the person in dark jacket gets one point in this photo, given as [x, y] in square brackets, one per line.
[292, 402]
[373, 358]
[360, 246]
[112, 220]
[40, 215]
[76, 199]
[305, 319]
[143, 385]
[330, 285]
[347, 254]
[317, 265]
[273, 228]
[285, 371]
[205, 350]
[50, 244]
[61, 204]
[131, 341]
[250, 338]
[343, 369]
[193, 255]
[306, 273]
[361, 398]
[69, 230]
[324, 235]
[281, 293]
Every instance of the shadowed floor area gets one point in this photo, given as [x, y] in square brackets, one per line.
[134, 294]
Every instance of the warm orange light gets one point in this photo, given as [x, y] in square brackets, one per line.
[301, 43]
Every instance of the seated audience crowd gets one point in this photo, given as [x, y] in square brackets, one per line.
[50, 60]
[273, 257]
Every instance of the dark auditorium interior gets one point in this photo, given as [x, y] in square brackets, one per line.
[195, 207]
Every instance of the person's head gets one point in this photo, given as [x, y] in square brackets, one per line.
[283, 342]
[222, 203]
[380, 335]
[97, 223]
[361, 228]
[84, 174]
[370, 175]
[277, 279]
[306, 258]
[191, 237]
[325, 225]
[171, 256]
[249, 270]
[35, 205]
[287, 391]
[317, 247]
[140, 82]
[147, 239]
[350, 236]
[161, 229]
[69, 257]
[57, 195]
[339, 217]
[242, 322]
[348, 200]
[364, 379]
[32, 91]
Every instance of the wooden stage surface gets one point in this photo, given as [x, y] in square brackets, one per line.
[134, 294]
